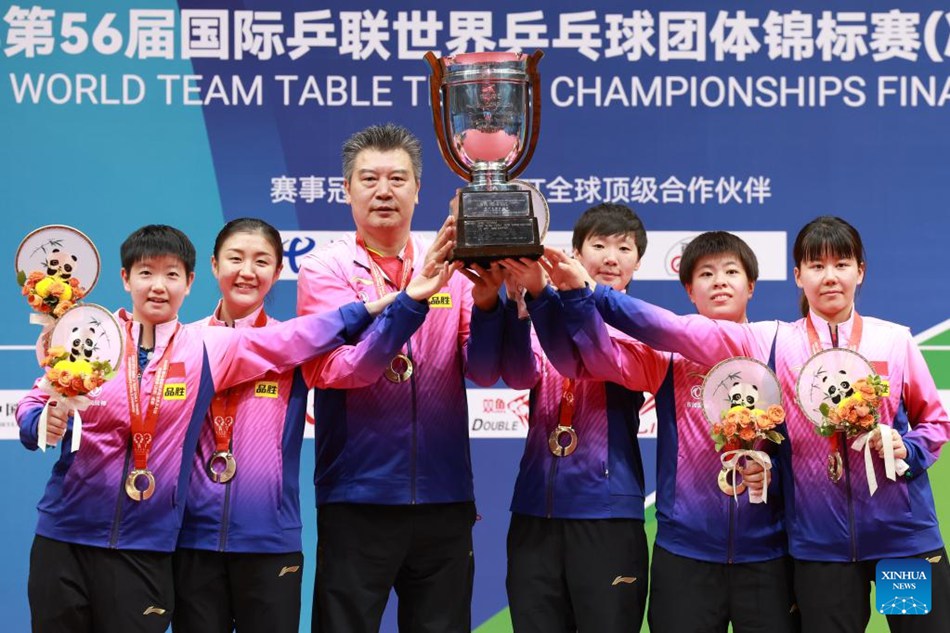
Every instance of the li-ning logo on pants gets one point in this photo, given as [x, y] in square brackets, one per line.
[154, 610]
[288, 570]
[628, 580]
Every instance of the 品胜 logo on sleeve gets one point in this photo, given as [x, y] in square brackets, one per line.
[903, 586]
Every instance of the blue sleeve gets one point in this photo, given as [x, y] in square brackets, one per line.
[520, 366]
[355, 318]
[29, 422]
[484, 345]
[550, 324]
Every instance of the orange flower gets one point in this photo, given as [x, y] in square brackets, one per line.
[717, 428]
[862, 409]
[729, 428]
[863, 387]
[61, 307]
[747, 433]
[65, 378]
[764, 422]
[745, 417]
[867, 422]
[776, 413]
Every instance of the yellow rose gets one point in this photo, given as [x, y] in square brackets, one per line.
[54, 285]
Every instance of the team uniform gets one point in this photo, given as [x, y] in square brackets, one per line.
[577, 552]
[239, 560]
[710, 548]
[101, 560]
[837, 531]
[393, 469]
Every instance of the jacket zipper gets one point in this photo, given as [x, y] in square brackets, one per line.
[847, 479]
[114, 537]
[117, 518]
[552, 473]
[415, 430]
[732, 531]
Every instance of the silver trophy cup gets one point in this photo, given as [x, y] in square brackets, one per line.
[486, 109]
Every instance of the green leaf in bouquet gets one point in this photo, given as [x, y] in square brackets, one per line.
[20, 277]
[774, 436]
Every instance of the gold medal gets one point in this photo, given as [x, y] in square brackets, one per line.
[554, 441]
[130, 484]
[400, 369]
[727, 482]
[223, 475]
[835, 466]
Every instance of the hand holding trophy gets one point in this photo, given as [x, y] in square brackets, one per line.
[486, 109]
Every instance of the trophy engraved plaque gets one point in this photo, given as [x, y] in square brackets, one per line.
[486, 109]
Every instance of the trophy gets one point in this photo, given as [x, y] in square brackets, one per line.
[486, 108]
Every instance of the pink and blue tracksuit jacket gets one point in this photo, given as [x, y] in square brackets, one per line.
[695, 519]
[825, 521]
[603, 477]
[395, 443]
[85, 500]
[258, 510]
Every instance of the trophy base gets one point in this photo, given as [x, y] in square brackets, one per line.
[495, 225]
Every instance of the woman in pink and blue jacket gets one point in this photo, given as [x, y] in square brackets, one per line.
[837, 531]
[111, 513]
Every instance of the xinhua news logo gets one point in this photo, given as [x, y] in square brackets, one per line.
[903, 586]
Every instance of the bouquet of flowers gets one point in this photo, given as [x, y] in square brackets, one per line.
[741, 427]
[56, 266]
[742, 402]
[50, 294]
[843, 407]
[86, 345]
[858, 412]
[69, 378]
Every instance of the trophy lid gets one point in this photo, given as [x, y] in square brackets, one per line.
[483, 58]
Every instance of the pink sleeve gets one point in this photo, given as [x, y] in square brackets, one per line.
[930, 426]
[322, 285]
[700, 339]
[239, 355]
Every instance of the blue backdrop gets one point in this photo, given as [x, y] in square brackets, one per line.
[743, 116]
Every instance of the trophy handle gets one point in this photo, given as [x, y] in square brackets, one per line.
[535, 85]
[435, 96]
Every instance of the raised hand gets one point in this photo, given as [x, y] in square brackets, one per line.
[441, 248]
[565, 273]
[433, 278]
[525, 273]
[485, 284]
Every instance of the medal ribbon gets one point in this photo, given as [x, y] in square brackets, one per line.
[224, 407]
[379, 276]
[143, 427]
[566, 412]
[814, 343]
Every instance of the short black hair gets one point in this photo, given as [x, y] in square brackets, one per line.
[382, 138]
[157, 240]
[609, 218]
[717, 243]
